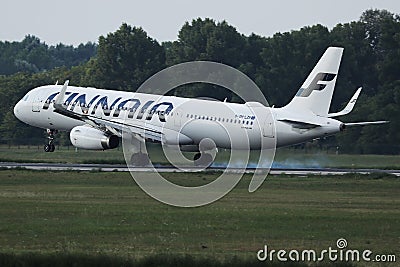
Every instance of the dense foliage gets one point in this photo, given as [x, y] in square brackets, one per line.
[278, 64]
[32, 56]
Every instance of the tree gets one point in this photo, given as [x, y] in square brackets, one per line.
[32, 56]
[125, 59]
[207, 40]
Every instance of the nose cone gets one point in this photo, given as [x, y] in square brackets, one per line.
[18, 110]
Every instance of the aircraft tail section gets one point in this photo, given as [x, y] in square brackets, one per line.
[316, 92]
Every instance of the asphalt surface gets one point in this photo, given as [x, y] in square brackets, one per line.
[124, 168]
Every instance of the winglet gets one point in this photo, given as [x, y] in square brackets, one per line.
[349, 107]
[59, 105]
[59, 100]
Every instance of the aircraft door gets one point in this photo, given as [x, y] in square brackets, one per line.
[178, 117]
[266, 120]
[36, 104]
[268, 125]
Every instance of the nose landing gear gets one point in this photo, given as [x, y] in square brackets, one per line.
[50, 147]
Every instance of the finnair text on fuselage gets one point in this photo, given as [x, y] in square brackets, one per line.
[117, 105]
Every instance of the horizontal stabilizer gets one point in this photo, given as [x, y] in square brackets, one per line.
[349, 107]
[365, 123]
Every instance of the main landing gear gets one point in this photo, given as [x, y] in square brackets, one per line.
[50, 147]
[140, 159]
[207, 152]
[138, 154]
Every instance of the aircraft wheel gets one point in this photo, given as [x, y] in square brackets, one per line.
[47, 148]
[52, 148]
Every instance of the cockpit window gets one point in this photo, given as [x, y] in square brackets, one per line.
[26, 98]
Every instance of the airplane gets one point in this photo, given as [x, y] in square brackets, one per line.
[97, 119]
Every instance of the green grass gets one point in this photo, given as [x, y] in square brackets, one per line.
[61, 155]
[296, 158]
[84, 260]
[106, 213]
[292, 158]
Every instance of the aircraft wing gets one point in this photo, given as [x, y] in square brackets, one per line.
[117, 127]
[105, 125]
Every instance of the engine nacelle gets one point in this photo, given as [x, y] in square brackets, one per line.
[87, 137]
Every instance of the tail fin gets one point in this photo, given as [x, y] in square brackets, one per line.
[316, 92]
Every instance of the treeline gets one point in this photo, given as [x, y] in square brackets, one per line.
[32, 56]
[279, 64]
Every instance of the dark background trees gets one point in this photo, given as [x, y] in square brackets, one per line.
[279, 64]
[33, 56]
[125, 59]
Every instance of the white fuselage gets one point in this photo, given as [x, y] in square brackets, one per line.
[182, 121]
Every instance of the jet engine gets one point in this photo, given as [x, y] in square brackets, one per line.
[87, 137]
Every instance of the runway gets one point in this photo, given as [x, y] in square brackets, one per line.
[124, 168]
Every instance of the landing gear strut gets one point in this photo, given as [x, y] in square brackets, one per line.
[136, 145]
[50, 147]
[140, 159]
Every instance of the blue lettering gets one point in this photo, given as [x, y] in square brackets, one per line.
[104, 105]
[82, 103]
[143, 109]
[161, 114]
[52, 96]
[161, 109]
[48, 100]
[114, 103]
[92, 101]
[69, 99]
[132, 110]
